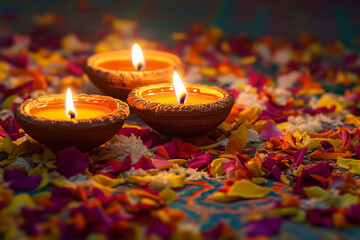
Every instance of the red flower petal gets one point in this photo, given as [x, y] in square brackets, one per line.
[144, 163]
[184, 150]
[200, 161]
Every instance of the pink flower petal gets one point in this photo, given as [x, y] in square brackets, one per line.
[126, 164]
[270, 130]
[162, 164]
[74, 68]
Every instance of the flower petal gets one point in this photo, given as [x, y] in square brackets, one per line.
[247, 189]
[71, 161]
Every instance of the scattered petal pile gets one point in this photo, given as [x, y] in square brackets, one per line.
[288, 153]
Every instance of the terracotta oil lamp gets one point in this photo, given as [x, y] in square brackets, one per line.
[181, 111]
[117, 73]
[85, 121]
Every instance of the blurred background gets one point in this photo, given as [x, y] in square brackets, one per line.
[328, 20]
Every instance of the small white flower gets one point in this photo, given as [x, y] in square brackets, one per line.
[22, 162]
[252, 136]
[251, 100]
[308, 123]
[224, 142]
[282, 56]
[288, 80]
[193, 75]
[132, 145]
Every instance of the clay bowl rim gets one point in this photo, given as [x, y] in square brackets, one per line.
[138, 102]
[120, 113]
[93, 61]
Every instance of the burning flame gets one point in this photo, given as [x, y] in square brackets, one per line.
[70, 111]
[180, 89]
[137, 58]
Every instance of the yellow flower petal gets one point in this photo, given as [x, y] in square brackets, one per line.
[137, 179]
[148, 201]
[17, 203]
[348, 199]
[179, 162]
[48, 155]
[7, 103]
[44, 181]
[168, 195]
[177, 181]
[216, 166]
[328, 100]
[247, 189]
[37, 171]
[259, 180]
[352, 164]
[106, 181]
[222, 197]
[105, 189]
[240, 135]
[43, 194]
[163, 216]
[251, 114]
[225, 127]
[209, 146]
[283, 125]
[284, 212]
[315, 192]
[313, 143]
[63, 183]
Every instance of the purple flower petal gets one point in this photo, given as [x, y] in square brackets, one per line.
[299, 156]
[159, 229]
[12, 173]
[71, 161]
[25, 183]
[320, 217]
[322, 169]
[326, 145]
[263, 227]
[353, 214]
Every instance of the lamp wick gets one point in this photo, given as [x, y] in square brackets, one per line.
[72, 115]
[182, 99]
[140, 67]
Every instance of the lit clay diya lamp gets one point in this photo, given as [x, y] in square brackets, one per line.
[181, 111]
[117, 73]
[87, 121]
